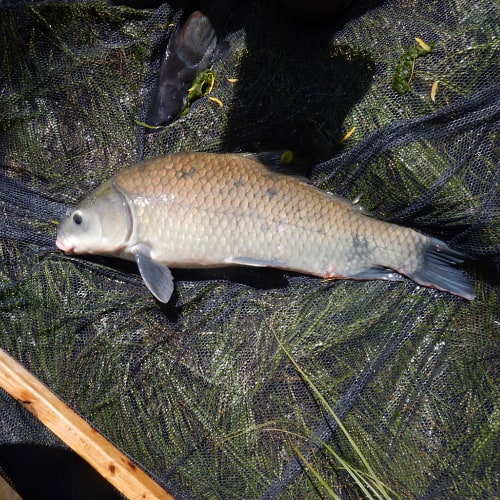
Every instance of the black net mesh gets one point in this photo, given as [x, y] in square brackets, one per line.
[200, 392]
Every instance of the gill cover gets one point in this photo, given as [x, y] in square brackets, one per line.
[100, 224]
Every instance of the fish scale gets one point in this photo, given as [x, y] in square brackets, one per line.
[205, 209]
[239, 210]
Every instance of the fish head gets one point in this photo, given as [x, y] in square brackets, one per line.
[100, 224]
[168, 102]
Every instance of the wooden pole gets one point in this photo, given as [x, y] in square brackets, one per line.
[106, 459]
[6, 492]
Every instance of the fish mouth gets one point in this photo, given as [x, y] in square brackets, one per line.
[67, 249]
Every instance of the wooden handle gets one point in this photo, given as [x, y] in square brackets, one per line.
[106, 459]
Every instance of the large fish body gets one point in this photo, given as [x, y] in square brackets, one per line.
[202, 209]
[188, 53]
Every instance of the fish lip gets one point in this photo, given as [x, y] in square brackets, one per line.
[68, 250]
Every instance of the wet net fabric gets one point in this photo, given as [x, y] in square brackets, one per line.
[200, 392]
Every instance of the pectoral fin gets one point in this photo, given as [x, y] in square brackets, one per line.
[156, 276]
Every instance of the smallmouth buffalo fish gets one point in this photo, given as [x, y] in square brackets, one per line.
[190, 210]
[189, 52]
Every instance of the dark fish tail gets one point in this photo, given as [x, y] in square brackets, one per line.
[437, 271]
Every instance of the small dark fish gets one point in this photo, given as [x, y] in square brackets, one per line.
[188, 53]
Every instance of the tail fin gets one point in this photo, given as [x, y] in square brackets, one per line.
[436, 270]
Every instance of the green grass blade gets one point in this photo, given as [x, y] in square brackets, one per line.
[381, 487]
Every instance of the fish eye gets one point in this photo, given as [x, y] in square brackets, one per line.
[77, 218]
